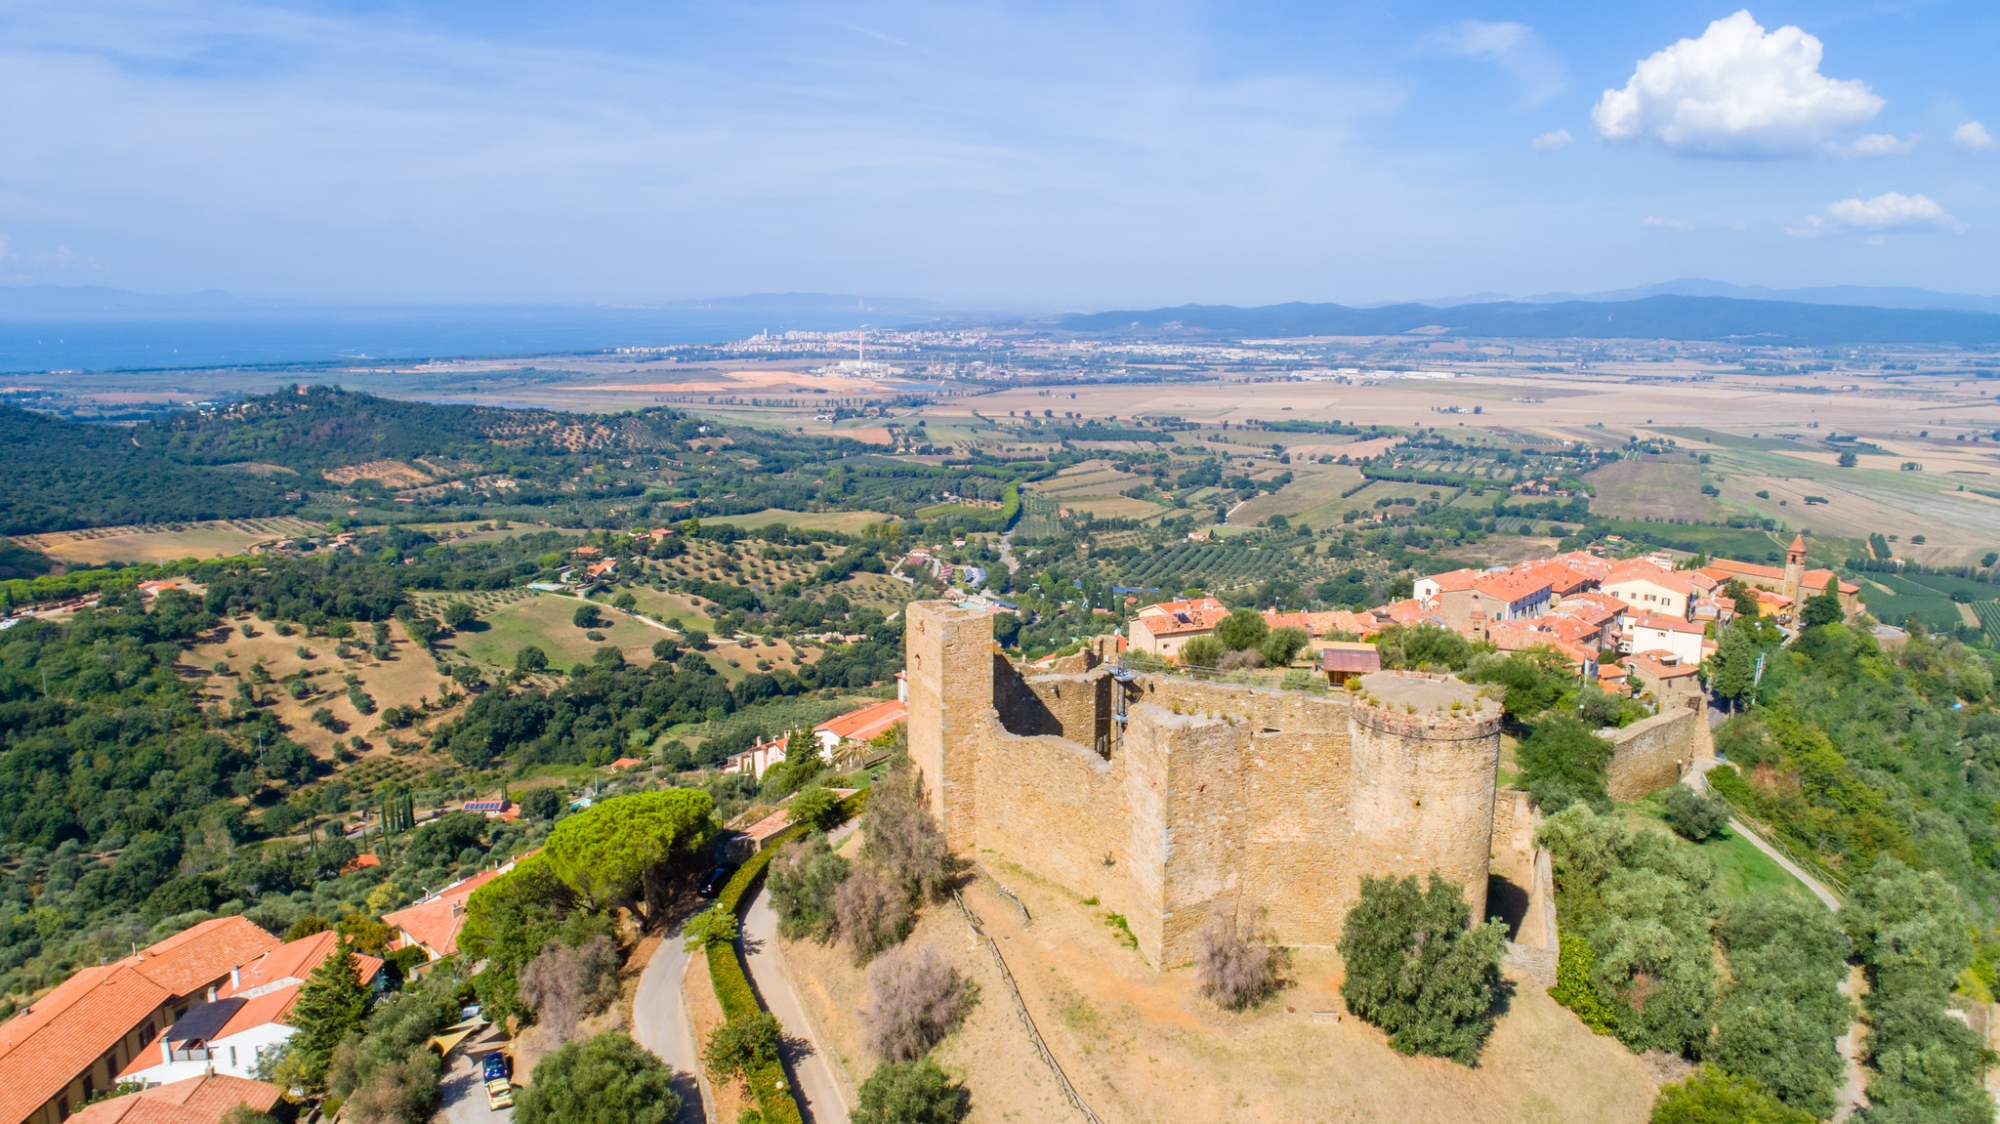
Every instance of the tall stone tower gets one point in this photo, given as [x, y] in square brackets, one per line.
[1426, 759]
[948, 653]
[1795, 574]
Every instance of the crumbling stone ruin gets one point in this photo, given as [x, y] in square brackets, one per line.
[1170, 800]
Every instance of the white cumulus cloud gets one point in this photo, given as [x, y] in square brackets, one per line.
[1738, 91]
[1513, 47]
[1974, 136]
[1549, 142]
[1653, 222]
[1876, 144]
[1886, 213]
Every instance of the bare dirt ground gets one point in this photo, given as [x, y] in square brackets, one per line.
[1143, 1046]
[1650, 487]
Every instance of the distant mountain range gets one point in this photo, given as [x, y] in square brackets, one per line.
[1793, 323]
[1869, 296]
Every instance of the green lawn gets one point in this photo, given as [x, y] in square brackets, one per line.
[1741, 870]
[544, 621]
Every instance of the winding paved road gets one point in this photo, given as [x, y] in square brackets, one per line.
[812, 1074]
[661, 1024]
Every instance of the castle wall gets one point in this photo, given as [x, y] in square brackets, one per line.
[1211, 798]
[1651, 754]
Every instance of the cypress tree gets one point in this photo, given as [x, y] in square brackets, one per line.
[330, 1004]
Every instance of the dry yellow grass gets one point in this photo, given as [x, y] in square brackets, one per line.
[1143, 1046]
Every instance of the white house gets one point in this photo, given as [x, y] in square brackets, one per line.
[1649, 589]
[1655, 632]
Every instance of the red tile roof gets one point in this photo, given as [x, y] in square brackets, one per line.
[1511, 585]
[197, 1100]
[289, 963]
[866, 724]
[194, 958]
[1456, 581]
[1666, 624]
[435, 921]
[1646, 571]
[64, 1032]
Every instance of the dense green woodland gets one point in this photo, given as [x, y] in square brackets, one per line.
[264, 456]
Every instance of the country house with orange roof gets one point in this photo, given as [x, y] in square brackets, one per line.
[1164, 629]
[245, 1019]
[70, 1044]
[204, 1099]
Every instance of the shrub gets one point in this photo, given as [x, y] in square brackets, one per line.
[565, 984]
[911, 1093]
[901, 838]
[873, 913]
[1281, 645]
[1563, 763]
[915, 1000]
[804, 880]
[1202, 651]
[458, 614]
[544, 803]
[1235, 661]
[530, 659]
[1415, 970]
[608, 1079]
[1235, 965]
[1710, 1096]
[816, 806]
[1694, 816]
[1574, 988]
[1780, 1019]
[586, 616]
[714, 925]
[740, 1046]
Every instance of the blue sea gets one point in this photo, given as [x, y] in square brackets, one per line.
[104, 343]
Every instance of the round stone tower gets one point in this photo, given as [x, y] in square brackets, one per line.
[1426, 758]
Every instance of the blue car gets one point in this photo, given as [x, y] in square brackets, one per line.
[496, 1066]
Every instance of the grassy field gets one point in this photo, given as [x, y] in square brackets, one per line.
[543, 620]
[1143, 1046]
[1741, 870]
[407, 679]
[1313, 497]
[1660, 487]
[170, 543]
[846, 522]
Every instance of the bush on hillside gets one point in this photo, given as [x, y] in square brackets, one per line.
[1235, 965]
[915, 1000]
[1415, 969]
[911, 1093]
[1694, 816]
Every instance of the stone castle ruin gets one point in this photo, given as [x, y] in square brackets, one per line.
[1172, 800]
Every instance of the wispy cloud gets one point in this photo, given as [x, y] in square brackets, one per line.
[1550, 142]
[1652, 222]
[1884, 214]
[1876, 144]
[1537, 71]
[1973, 137]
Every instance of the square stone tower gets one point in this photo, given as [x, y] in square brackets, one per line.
[949, 654]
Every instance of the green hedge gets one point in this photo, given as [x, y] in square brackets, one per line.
[775, 1100]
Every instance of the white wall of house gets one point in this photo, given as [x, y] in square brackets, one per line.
[1649, 597]
[235, 1056]
[1686, 645]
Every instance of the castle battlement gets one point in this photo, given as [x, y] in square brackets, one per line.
[1172, 800]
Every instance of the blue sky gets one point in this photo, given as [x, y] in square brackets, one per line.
[1058, 154]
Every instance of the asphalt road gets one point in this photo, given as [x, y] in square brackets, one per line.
[464, 1092]
[660, 1023]
[811, 1073]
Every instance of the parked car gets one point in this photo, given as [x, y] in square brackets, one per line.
[716, 880]
[496, 1066]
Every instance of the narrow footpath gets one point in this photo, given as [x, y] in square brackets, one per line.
[805, 1058]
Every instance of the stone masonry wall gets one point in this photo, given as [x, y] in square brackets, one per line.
[1210, 798]
[1650, 755]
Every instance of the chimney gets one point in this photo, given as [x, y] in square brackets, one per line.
[235, 978]
[211, 993]
[166, 1051]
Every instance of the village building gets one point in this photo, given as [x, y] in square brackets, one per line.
[204, 1099]
[70, 1044]
[859, 727]
[1650, 588]
[245, 1019]
[1656, 632]
[433, 923]
[1790, 585]
[1164, 629]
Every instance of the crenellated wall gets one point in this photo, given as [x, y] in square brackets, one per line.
[1206, 798]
